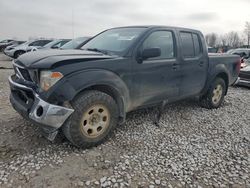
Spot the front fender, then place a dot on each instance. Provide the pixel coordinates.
(72, 84)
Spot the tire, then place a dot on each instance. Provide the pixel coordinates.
(18, 53)
(215, 94)
(93, 121)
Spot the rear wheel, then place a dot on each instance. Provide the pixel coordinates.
(94, 118)
(215, 94)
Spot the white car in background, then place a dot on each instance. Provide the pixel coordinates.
(5, 43)
(55, 44)
(28, 46)
(14, 44)
(75, 43)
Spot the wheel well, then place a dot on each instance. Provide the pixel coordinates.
(113, 93)
(225, 78)
(18, 51)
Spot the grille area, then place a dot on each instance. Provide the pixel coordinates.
(25, 74)
(22, 73)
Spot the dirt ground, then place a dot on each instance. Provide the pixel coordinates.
(193, 147)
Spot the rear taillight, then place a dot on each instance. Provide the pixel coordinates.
(238, 66)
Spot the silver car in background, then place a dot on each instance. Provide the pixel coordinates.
(5, 43)
(14, 44)
(28, 46)
(55, 44)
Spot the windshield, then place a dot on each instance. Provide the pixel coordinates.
(74, 43)
(24, 43)
(114, 40)
(52, 43)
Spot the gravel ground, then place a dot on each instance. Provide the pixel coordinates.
(192, 147)
(5, 61)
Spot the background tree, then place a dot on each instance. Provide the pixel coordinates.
(229, 40)
(222, 41)
(247, 32)
(211, 39)
(233, 39)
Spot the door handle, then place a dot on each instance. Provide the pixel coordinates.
(201, 63)
(175, 66)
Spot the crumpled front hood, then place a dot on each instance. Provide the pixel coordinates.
(46, 59)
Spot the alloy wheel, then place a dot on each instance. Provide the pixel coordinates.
(95, 121)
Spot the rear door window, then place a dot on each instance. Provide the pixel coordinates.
(197, 45)
(191, 45)
(187, 45)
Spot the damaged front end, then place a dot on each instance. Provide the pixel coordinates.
(27, 102)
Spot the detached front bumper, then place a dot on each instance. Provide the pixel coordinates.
(28, 103)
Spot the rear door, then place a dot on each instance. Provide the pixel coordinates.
(194, 64)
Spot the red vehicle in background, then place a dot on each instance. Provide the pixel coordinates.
(244, 53)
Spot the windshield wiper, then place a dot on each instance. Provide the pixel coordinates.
(97, 50)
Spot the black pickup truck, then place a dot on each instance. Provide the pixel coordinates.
(85, 93)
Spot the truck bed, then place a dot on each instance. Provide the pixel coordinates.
(227, 62)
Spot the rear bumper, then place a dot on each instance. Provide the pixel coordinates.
(28, 103)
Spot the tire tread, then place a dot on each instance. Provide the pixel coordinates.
(87, 98)
(206, 101)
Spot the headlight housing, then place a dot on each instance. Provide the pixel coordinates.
(49, 78)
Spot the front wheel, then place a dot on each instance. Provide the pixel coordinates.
(94, 118)
(215, 94)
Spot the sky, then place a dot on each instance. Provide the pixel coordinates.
(22, 19)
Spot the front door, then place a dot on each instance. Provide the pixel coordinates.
(157, 79)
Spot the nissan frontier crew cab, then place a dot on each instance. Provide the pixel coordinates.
(85, 93)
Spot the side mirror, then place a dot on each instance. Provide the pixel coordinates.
(150, 53)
